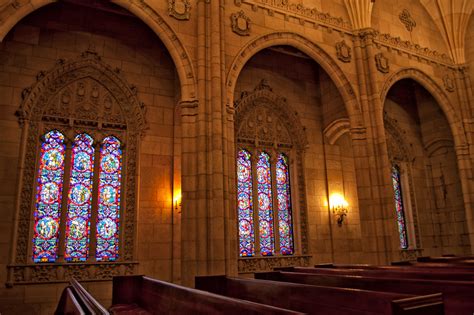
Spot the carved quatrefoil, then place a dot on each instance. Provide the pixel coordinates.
(240, 23)
(179, 9)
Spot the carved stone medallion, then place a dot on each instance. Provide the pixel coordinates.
(240, 23)
(382, 63)
(179, 9)
(407, 20)
(449, 84)
(343, 51)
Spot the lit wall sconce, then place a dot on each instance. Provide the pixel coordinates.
(339, 207)
(177, 202)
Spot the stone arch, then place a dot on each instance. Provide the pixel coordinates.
(435, 90)
(263, 94)
(11, 14)
(35, 118)
(308, 47)
(336, 129)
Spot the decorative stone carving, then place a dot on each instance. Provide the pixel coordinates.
(298, 11)
(82, 94)
(410, 254)
(407, 20)
(343, 51)
(265, 119)
(257, 264)
(397, 42)
(382, 63)
(449, 84)
(240, 23)
(179, 9)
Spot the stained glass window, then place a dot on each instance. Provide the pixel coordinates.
(48, 198)
(284, 205)
(79, 202)
(109, 200)
(244, 203)
(397, 189)
(265, 209)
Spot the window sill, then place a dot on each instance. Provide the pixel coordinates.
(267, 263)
(62, 272)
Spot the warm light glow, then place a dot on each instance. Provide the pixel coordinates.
(337, 201)
(177, 199)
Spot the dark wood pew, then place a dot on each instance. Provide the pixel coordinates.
(320, 300)
(76, 300)
(386, 273)
(458, 296)
(406, 266)
(134, 294)
(446, 259)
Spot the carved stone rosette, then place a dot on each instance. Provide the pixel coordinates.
(258, 264)
(83, 94)
(179, 9)
(240, 23)
(382, 63)
(448, 82)
(343, 51)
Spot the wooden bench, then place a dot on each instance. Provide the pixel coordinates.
(133, 294)
(458, 296)
(387, 273)
(320, 300)
(406, 266)
(75, 300)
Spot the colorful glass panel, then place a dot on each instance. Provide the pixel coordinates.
(109, 200)
(265, 208)
(397, 189)
(244, 203)
(284, 205)
(48, 197)
(79, 202)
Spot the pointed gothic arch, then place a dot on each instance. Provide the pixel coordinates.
(320, 56)
(11, 13)
(83, 94)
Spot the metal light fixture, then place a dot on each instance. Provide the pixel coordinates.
(339, 207)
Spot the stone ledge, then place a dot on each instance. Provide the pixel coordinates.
(256, 264)
(63, 272)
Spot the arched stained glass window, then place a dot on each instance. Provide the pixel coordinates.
(80, 196)
(48, 198)
(265, 207)
(244, 203)
(285, 223)
(109, 200)
(397, 189)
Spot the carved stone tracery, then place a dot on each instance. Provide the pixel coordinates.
(264, 119)
(84, 94)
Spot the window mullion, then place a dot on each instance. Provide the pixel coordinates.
(256, 219)
(276, 229)
(64, 202)
(95, 204)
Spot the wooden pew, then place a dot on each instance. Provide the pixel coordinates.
(320, 300)
(463, 260)
(406, 266)
(76, 300)
(386, 273)
(458, 295)
(133, 294)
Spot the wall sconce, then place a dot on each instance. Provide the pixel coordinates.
(339, 207)
(177, 202)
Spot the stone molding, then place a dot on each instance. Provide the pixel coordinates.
(410, 254)
(58, 273)
(42, 109)
(179, 9)
(240, 23)
(258, 264)
(288, 8)
(449, 83)
(336, 129)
